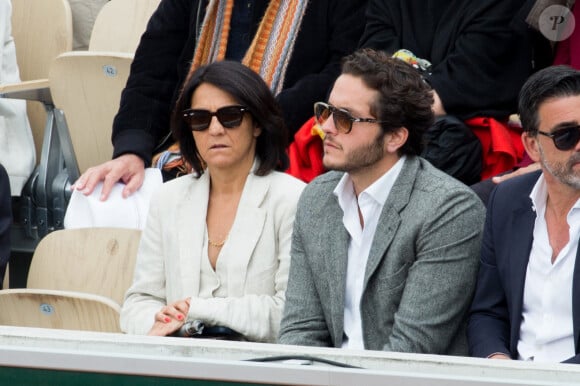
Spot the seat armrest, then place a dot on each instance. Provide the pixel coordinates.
(32, 90)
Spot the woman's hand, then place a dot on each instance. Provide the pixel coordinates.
(170, 318)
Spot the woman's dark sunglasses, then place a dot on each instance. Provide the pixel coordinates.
(564, 139)
(342, 119)
(229, 116)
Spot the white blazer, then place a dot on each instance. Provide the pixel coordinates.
(168, 263)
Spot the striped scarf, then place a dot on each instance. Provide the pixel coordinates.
(268, 54)
(271, 48)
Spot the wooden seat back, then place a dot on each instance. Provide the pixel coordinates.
(42, 30)
(87, 86)
(58, 309)
(120, 24)
(98, 261)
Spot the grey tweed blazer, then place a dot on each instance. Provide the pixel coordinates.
(420, 274)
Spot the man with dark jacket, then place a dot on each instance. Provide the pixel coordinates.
(480, 53)
(479, 50)
(329, 30)
(527, 297)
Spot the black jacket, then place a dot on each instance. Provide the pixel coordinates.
(330, 30)
(481, 50)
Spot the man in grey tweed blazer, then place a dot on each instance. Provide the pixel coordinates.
(385, 247)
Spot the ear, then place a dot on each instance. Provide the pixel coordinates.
(257, 131)
(396, 139)
(531, 145)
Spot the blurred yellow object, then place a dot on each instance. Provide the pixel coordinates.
(514, 121)
(422, 65)
(317, 130)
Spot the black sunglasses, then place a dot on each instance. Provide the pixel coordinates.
(229, 116)
(342, 119)
(564, 139)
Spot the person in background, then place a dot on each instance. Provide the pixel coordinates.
(84, 13)
(296, 45)
(384, 248)
(527, 296)
(216, 245)
(17, 152)
(565, 52)
(475, 55)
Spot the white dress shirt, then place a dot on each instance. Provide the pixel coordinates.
(370, 202)
(546, 331)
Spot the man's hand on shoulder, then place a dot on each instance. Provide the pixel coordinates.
(128, 168)
(519, 172)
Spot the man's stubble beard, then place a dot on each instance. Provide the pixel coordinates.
(362, 157)
(563, 172)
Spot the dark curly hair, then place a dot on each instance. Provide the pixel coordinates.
(249, 90)
(405, 99)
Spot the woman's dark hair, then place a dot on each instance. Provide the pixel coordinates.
(249, 90)
(405, 99)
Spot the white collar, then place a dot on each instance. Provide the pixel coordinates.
(378, 190)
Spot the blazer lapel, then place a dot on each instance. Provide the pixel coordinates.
(521, 231)
(384, 234)
(246, 229)
(390, 218)
(190, 229)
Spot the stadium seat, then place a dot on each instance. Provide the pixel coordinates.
(120, 24)
(87, 87)
(58, 309)
(98, 261)
(42, 30)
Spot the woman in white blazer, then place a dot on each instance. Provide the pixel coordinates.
(216, 245)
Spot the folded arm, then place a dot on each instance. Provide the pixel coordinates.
(143, 117)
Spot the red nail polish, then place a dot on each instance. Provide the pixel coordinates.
(167, 320)
(180, 317)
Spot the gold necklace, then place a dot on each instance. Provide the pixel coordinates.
(219, 244)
